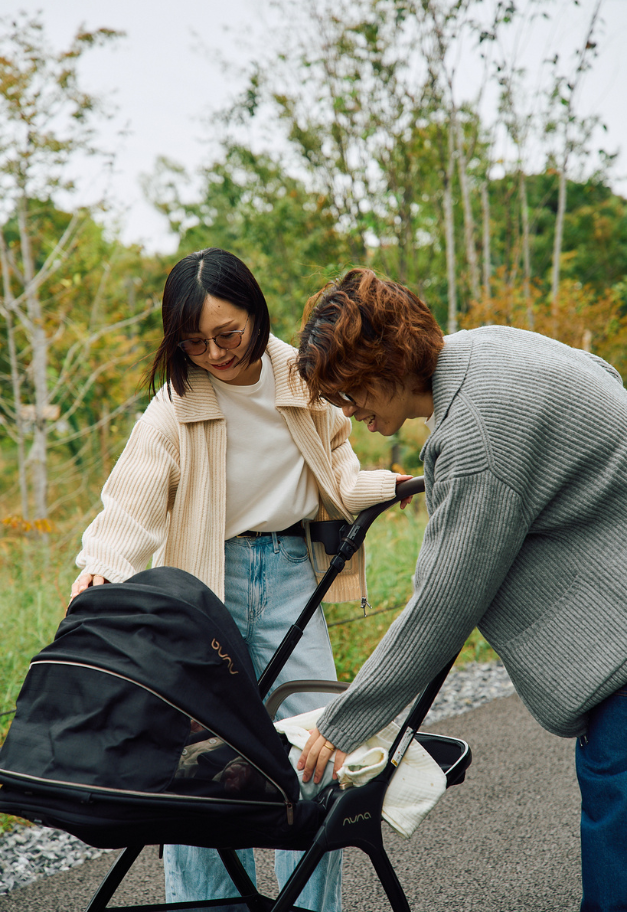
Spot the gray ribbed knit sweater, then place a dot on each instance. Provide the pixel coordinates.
(526, 487)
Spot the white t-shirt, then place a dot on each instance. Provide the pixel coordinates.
(269, 486)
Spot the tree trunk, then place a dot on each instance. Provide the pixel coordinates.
(526, 250)
(449, 230)
(404, 236)
(38, 454)
(104, 440)
(469, 222)
(557, 245)
(395, 454)
(487, 265)
(16, 382)
(586, 340)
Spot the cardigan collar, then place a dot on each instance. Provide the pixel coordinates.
(450, 372)
(200, 403)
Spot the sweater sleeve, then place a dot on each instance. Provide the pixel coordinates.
(358, 489)
(136, 499)
(474, 534)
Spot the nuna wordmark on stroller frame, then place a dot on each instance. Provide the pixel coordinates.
(142, 723)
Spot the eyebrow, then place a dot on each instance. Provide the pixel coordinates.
(221, 329)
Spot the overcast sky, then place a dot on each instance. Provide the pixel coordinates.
(164, 87)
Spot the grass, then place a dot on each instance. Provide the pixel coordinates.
(33, 598)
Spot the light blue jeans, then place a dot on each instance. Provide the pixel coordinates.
(268, 582)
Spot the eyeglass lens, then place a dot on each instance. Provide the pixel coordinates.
(340, 399)
(223, 340)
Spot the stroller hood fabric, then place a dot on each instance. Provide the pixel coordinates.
(109, 703)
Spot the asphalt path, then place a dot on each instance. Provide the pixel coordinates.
(507, 840)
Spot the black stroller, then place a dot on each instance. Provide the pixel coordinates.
(122, 746)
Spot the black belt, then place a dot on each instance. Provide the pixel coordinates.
(328, 532)
(296, 529)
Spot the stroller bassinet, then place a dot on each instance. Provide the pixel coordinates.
(142, 723)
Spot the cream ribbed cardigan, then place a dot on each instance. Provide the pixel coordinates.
(166, 496)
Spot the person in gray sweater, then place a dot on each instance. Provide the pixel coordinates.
(526, 489)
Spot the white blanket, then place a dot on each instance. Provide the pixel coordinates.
(415, 788)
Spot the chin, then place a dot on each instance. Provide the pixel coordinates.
(394, 429)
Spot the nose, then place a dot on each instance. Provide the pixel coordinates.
(214, 350)
(349, 409)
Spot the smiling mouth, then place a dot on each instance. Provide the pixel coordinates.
(226, 365)
(369, 421)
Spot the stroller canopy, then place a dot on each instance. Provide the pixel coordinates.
(148, 689)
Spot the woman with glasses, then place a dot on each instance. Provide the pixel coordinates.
(526, 488)
(217, 478)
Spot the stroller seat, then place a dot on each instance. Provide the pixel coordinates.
(143, 723)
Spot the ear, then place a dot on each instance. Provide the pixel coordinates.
(417, 385)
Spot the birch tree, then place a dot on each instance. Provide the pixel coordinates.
(45, 120)
(573, 134)
(487, 258)
(444, 24)
(518, 123)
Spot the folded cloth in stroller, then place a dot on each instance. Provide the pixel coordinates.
(415, 789)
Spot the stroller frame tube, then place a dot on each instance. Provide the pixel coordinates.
(351, 541)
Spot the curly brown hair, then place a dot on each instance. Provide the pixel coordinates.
(363, 332)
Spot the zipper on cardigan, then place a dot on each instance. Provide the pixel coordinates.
(289, 807)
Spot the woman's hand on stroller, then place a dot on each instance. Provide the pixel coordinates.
(316, 755)
(84, 581)
(406, 500)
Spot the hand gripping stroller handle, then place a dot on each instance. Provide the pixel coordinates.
(350, 542)
(403, 490)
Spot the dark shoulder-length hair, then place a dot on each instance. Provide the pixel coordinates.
(363, 332)
(212, 272)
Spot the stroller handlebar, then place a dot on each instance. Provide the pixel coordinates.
(357, 531)
(412, 486)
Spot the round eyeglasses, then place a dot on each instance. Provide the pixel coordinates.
(225, 341)
(339, 399)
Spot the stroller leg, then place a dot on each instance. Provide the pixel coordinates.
(113, 878)
(238, 874)
(389, 880)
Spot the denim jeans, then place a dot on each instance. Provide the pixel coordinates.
(268, 582)
(601, 757)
